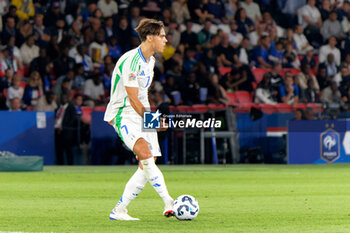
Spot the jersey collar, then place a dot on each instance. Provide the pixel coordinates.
(141, 55)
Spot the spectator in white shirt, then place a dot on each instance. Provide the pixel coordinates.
(252, 9)
(330, 48)
(29, 50)
(310, 18)
(15, 91)
(332, 27)
(302, 43)
(108, 7)
(94, 91)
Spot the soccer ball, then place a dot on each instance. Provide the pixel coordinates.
(186, 207)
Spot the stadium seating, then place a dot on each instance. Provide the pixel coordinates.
(224, 70)
(86, 114)
(259, 73)
(268, 108)
(243, 97)
(199, 108)
(284, 108)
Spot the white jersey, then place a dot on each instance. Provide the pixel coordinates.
(131, 70)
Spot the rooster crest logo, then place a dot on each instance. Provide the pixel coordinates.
(329, 141)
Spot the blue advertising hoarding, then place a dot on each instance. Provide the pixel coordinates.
(318, 142)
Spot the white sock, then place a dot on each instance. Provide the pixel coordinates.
(156, 179)
(132, 189)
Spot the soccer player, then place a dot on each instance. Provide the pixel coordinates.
(131, 78)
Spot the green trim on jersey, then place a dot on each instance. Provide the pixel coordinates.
(118, 119)
(134, 62)
(118, 77)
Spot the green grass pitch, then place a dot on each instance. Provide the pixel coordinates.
(233, 198)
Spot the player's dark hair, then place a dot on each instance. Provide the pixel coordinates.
(149, 27)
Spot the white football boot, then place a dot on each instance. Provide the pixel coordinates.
(169, 209)
(121, 215)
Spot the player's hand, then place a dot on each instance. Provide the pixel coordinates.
(163, 125)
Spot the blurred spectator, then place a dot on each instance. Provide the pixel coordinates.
(10, 62)
(63, 63)
(107, 75)
(190, 90)
(264, 93)
(63, 85)
(230, 7)
(331, 94)
(80, 78)
(15, 90)
(65, 131)
(310, 18)
(198, 11)
(124, 33)
(29, 50)
(6, 79)
(244, 53)
(40, 63)
(332, 27)
(25, 8)
(108, 27)
(15, 50)
(204, 35)
(289, 92)
(236, 80)
(180, 11)
(135, 17)
(310, 94)
(245, 24)
(226, 54)
(12, 12)
(108, 7)
(309, 114)
(309, 58)
(59, 30)
(276, 54)
(42, 34)
(216, 93)
(172, 91)
(275, 78)
(305, 75)
(114, 49)
(82, 56)
(189, 38)
(53, 14)
(15, 105)
(330, 65)
(342, 78)
(53, 49)
(291, 59)
(235, 38)
(301, 42)
(325, 9)
(322, 78)
(216, 8)
(169, 49)
(268, 25)
(252, 9)
(4, 5)
(25, 29)
(93, 91)
(330, 48)
(9, 30)
(176, 35)
(261, 52)
(98, 49)
(33, 90)
(47, 102)
(298, 115)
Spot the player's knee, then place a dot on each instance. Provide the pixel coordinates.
(142, 155)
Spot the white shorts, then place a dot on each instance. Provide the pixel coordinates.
(129, 126)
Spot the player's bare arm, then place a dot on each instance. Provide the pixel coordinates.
(134, 100)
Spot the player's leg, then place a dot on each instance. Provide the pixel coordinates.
(154, 175)
(136, 183)
(132, 189)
